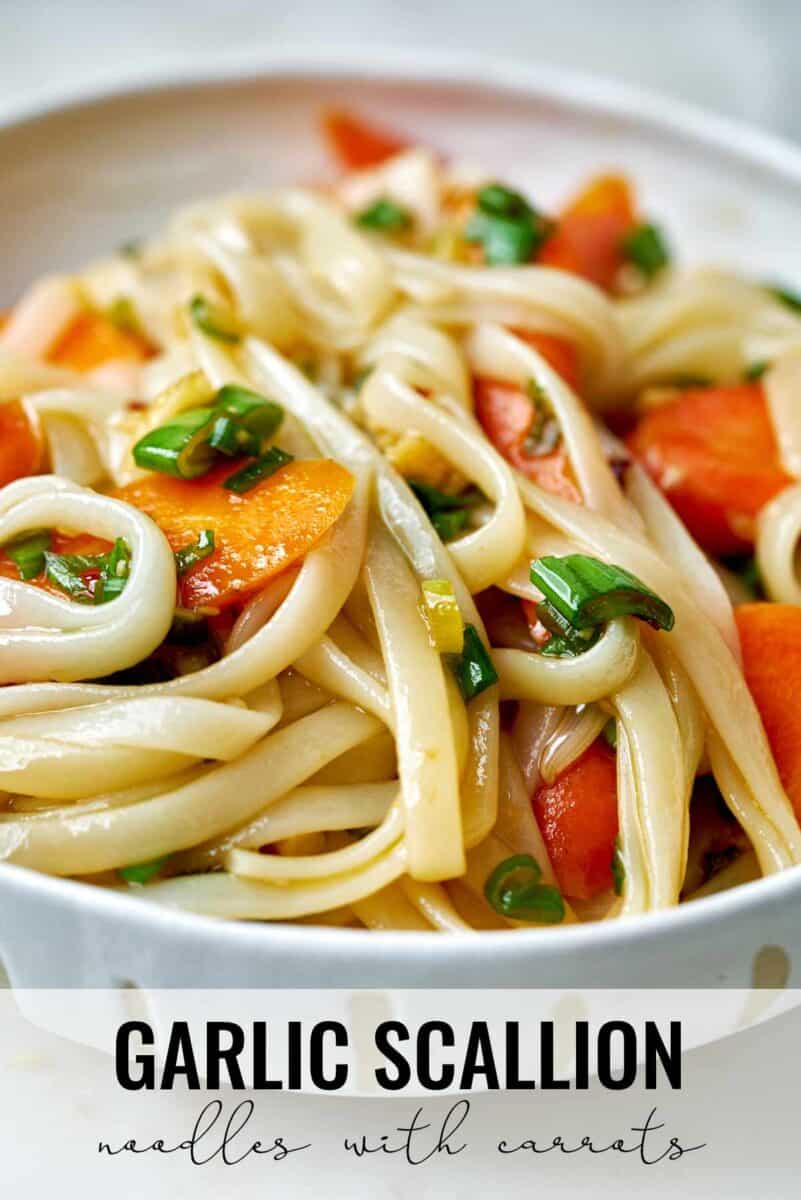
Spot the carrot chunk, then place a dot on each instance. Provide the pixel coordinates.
(577, 816)
(589, 234)
(357, 143)
(92, 340)
(770, 636)
(713, 453)
(256, 534)
(21, 443)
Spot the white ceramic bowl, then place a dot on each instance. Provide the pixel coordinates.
(81, 178)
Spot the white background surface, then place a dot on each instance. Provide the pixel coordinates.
(739, 1097)
(738, 57)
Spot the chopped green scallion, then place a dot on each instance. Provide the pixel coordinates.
(785, 296)
(234, 421)
(189, 556)
(230, 437)
(646, 249)
(181, 447)
(142, 873)
(514, 890)
(448, 514)
(114, 573)
(587, 592)
(565, 640)
(449, 522)
(507, 226)
(385, 216)
(473, 668)
(214, 320)
(28, 553)
(609, 733)
(618, 868)
(254, 412)
(247, 478)
(497, 200)
(544, 434)
(90, 578)
(755, 371)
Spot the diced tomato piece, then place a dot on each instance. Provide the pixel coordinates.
(770, 636)
(577, 816)
(505, 412)
(589, 234)
(713, 453)
(357, 143)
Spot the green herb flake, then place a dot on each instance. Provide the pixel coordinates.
(189, 556)
(473, 668)
(447, 513)
(514, 890)
(618, 868)
(785, 296)
(385, 216)
(646, 249)
(113, 573)
(90, 578)
(497, 200)
(544, 434)
(507, 226)
(214, 320)
(142, 873)
(609, 733)
(122, 313)
(755, 371)
(28, 553)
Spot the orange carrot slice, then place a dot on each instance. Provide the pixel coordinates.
(589, 234)
(21, 443)
(256, 534)
(577, 816)
(92, 340)
(357, 143)
(770, 636)
(713, 453)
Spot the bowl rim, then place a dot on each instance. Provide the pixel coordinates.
(582, 94)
